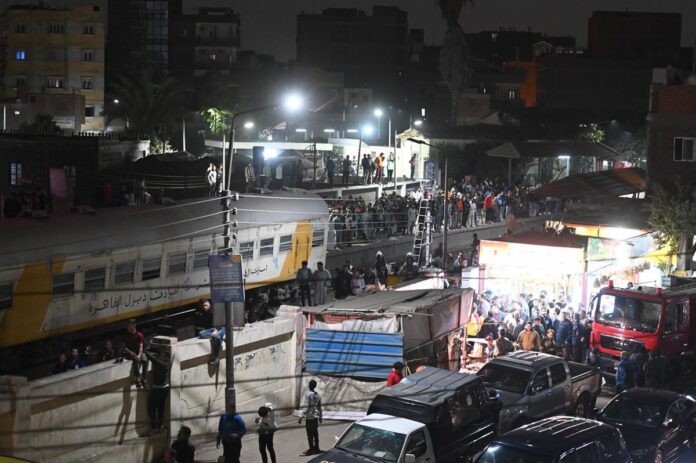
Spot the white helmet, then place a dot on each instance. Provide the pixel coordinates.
(379, 253)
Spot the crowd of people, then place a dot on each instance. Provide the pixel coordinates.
(550, 325)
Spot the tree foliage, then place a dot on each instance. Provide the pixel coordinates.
(593, 133)
(455, 65)
(218, 120)
(151, 104)
(673, 217)
(43, 124)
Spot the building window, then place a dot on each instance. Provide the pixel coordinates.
(684, 149)
(63, 285)
(95, 279)
(89, 111)
(15, 173)
(21, 55)
(200, 258)
(20, 81)
(266, 248)
(212, 57)
(87, 83)
(87, 55)
(151, 268)
(512, 94)
(246, 250)
(177, 264)
(285, 243)
(20, 29)
(55, 82)
(6, 294)
(123, 273)
(56, 28)
(88, 29)
(55, 54)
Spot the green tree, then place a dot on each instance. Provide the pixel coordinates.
(593, 133)
(218, 120)
(43, 124)
(150, 104)
(673, 217)
(454, 53)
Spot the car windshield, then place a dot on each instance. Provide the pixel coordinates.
(504, 377)
(629, 411)
(627, 312)
(373, 443)
(499, 453)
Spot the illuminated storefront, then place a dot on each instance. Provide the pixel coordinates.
(530, 262)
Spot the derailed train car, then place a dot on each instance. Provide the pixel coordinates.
(77, 274)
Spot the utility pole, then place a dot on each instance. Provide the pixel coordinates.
(445, 255)
(227, 210)
(183, 136)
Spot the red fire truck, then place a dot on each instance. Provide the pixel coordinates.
(647, 316)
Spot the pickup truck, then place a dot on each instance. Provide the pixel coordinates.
(433, 416)
(533, 385)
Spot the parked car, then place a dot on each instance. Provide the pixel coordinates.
(432, 416)
(560, 439)
(658, 425)
(533, 385)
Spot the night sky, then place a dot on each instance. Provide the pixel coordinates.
(268, 26)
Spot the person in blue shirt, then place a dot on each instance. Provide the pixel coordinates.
(625, 373)
(230, 432)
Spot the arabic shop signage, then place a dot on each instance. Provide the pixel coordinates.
(226, 278)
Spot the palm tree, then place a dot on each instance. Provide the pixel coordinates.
(454, 53)
(150, 104)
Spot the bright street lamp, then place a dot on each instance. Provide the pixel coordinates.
(116, 101)
(293, 102)
(418, 122)
(249, 125)
(329, 130)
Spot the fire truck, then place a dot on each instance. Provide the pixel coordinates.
(663, 318)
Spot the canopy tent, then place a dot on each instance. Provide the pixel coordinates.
(606, 184)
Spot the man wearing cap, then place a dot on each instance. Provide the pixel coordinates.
(409, 269)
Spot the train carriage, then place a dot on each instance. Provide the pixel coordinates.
(80, 273)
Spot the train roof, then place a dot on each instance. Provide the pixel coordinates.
(26, 240)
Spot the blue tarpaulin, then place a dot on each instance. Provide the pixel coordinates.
(359, 354)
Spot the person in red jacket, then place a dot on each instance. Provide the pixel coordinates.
(395, 376)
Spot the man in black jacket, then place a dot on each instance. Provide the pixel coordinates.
(159, 386)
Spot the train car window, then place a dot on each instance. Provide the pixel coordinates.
(177, 263)
(200, 258)
(6, 294)
(247, 250)
(95, 278)
(266, 248)
(123, 273)
(318, 238)
(286, 243)
(151, 268)
(63, 284)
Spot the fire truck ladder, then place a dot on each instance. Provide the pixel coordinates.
(423, 237)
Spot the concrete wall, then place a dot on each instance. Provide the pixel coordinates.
(96, 414)
(395, 249)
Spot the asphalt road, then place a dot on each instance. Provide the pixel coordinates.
(290, 440)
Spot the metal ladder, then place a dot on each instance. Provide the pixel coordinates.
(422, 237)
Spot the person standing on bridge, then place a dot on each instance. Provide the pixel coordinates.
(391, 161)
(365, 163)
(346, 171)
(304, 279)
(330, 170)
(412, 163)
(322, 277)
